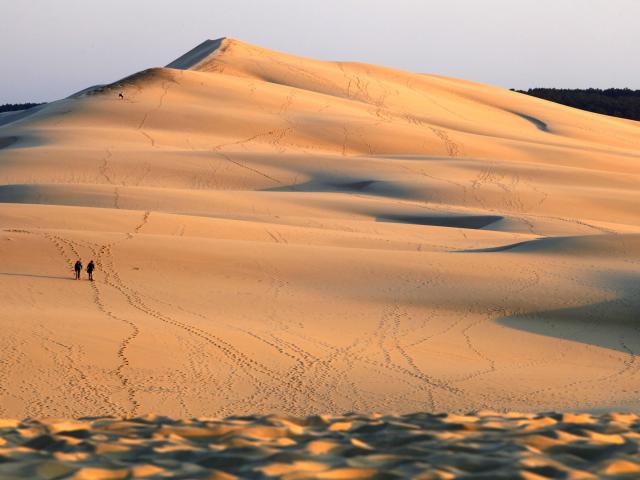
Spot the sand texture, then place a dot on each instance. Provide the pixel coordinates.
(488, 445)
(280, 235)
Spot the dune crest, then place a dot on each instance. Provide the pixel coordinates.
(193, 57)
(279, 234)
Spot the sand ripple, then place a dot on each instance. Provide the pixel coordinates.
(485, 445)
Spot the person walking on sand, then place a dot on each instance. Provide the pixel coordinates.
(78, 268)
(90, 268)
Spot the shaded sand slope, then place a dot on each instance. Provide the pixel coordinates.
(278, 234)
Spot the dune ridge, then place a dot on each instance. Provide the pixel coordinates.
(275, 234)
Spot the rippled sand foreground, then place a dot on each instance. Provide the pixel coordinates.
(427, 446)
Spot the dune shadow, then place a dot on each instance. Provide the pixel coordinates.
(196, 54)
(611, 324)
(358, 186)
(501, 248)
(18, 193)
(51, 277)
(453, 221)
(539, 124)
(319, 184)
(615, 246)
(7, 141)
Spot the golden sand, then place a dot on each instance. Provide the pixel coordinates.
(280, 234)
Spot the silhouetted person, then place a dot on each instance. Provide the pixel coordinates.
(78, 268)
(121, 96)
(90, 268)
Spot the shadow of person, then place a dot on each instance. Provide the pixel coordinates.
(33, 275)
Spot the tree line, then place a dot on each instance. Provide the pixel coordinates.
(616, 102)
(12, 107)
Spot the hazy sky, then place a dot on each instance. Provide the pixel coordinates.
(52, 48)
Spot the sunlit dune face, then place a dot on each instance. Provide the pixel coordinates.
(274, 234)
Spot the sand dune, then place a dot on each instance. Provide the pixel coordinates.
(275, 234)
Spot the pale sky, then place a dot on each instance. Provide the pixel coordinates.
(52, 48)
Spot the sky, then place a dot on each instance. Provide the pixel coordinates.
(50, 49)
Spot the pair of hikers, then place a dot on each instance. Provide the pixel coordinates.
(90, 268)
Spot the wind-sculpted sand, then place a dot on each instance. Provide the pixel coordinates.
(487, 445)
(276, 234)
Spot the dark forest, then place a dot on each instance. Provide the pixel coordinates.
(616, 102)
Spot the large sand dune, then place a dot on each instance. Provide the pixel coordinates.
(279, 234)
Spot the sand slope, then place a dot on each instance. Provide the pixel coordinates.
(279, 234)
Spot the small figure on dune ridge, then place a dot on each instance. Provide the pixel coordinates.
(90, 268)
(78, 268)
